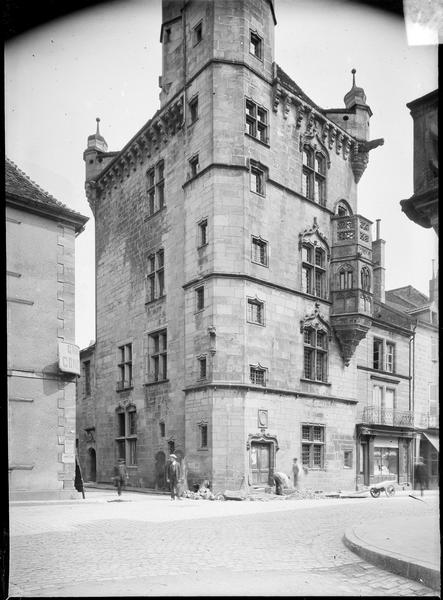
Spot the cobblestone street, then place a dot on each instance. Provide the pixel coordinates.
(151, 546)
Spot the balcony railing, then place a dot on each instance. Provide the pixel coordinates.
(373, 415)
(387, 416)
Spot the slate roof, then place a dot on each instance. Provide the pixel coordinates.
(290, 84)
(20, 189)
(407, 298)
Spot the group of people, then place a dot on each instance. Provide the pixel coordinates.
(173, 476)
(282, 482)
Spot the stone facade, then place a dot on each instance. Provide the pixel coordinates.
(229, 248)
(40, 303)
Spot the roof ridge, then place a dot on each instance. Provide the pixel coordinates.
(32, 181)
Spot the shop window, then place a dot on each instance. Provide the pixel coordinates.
(255, 45)
(313, 446)
(386, 462)
(125, 367)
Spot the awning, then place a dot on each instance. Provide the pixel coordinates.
(433, 438)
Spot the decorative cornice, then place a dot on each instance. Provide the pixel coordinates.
(313, 231)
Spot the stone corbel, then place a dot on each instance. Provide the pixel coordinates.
(286, 107)
(360, 156)
(347, 145)
(276, 97)
(339, 142)
(332, 136)
(212, 339)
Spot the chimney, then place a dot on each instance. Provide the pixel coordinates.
(433, 285)
(378, 259)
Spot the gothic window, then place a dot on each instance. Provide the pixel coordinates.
(314, 175)
(343, 209)
(314, 270)
(346, 277)
(256, 312)
(315, 354)
(257, 123)
(365, 276)
(257, 375)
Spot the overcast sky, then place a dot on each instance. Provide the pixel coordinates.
(106, 61)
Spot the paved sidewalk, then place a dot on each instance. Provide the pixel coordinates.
(410, 549)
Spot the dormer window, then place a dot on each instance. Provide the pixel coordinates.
(314, 175)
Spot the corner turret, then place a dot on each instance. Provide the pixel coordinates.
(96, 147)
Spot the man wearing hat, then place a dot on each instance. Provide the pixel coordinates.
(120, 475)
(173, 476)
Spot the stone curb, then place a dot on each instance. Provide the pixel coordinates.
(420, 571)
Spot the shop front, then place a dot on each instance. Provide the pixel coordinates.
(384, 453)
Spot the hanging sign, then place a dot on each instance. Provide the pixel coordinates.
(69, 358)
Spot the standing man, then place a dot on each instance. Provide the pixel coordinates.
(120, 475)
(420, 475)
(173, 476)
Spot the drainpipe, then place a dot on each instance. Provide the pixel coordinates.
(416, 442)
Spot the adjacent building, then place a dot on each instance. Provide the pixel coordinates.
(43, 360)
(239, 292)
(422, 206)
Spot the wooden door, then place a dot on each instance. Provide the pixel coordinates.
(260, 462)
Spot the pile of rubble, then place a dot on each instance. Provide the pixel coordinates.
(303, 494)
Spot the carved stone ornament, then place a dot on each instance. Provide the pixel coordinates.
(350, 330)
(332, 135)
(260, 438)
(310, 138)
(315, 320)
(310, 232)
(276, 97)
(360, 156)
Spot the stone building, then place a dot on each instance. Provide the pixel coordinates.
(85, 414)
(239, 292)
(422, 206)
(42, 357)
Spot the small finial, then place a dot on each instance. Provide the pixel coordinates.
(98, 121)
(353, 77)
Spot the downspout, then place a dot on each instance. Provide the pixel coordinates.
(412, 394)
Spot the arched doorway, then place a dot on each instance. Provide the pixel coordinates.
(92, 465)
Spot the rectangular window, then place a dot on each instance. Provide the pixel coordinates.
(347, 459)
(200, 298)
(87, 377)
(121, 426)
(256, 312)
(162, 429)
(256, 45)
(171, 447)
(259, 251)
(202, 367)
(158, 356)
(313, 446)
(194, 165)
(378, 354)
(132, 452)
(257, 179)
(193, 109)
(390, 357)
(132, 422)
(257, 375)
(155, 279)
(256, 121)
(126, 439)
(203, 436)
(315, 355)
(203, 233)
(198, 34)
(125, 367)
(156, 184)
